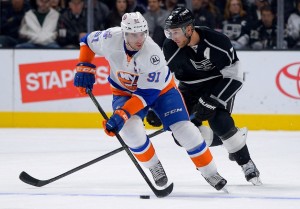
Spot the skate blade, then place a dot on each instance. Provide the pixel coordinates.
(225, 190)
(256, 181)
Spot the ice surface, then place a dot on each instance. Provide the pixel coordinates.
(115, 182)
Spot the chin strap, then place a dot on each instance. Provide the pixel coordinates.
(128, 45)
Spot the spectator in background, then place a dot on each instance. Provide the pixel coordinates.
(293, 28)
(169, 5)
(108, 3)
(212, 8)
(220, 4)
(134, 6)
(115, 16)
(289, 7)
(12, 14)
(254, 13)
(38, 26)
(72, 25)
(264, 35)
(203, 17)
(247, 4)
(58, 5)
(143, 3)
(156, 16)
(101, 12)
(235, 24)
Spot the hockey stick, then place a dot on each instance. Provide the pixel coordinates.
(26, 178)
(159, 193)
(155, 133)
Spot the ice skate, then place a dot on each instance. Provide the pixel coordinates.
(159, 174)
(251, 173)
(217, 181)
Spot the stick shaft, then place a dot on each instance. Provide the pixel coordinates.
(26, 178)
(88, 163)
(158, 193)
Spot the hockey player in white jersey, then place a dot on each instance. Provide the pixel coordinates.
(140, 79)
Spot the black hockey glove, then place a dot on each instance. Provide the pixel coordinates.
(153, 119)
(206, 108)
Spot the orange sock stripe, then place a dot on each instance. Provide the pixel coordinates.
(202, 160)
(146, 156)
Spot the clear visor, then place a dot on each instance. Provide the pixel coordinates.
(139, 37)
(174, 33)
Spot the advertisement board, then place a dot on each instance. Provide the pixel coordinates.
(44, 82)
(6, 83)
(272, 83)
(39, 90)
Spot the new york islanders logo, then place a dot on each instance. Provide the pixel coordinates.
(128, 80)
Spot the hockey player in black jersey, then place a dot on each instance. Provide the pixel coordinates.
(207, 67)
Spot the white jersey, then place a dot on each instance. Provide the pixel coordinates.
(146, 74)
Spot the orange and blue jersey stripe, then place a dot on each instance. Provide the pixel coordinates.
(145, 152)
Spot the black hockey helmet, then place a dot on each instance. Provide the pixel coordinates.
(179, 17)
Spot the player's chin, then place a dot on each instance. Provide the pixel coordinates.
(180, 44)
(138, 46)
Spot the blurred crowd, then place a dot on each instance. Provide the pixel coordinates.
(249, 24)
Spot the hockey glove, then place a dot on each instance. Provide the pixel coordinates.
(206, 108)
(116, 122)
(153, 119)
(84, 77)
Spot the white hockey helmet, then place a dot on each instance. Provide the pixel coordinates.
(134, 22)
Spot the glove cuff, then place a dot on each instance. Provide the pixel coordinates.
(123, 114)
(211, 104)
(85, 67)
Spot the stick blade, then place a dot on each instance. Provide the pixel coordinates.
(26, 178)
(164, 192)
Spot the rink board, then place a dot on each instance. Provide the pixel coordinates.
(38, 91)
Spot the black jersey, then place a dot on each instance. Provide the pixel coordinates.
(210, 67)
